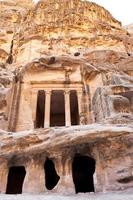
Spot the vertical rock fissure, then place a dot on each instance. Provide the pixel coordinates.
(10, 57)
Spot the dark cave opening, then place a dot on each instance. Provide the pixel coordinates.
(51, 176)
(15, 180)
(83, 168)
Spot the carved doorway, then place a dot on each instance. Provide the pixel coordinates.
(15, 180)
(40, 110)
(83, 168)
(74, 108)
(57, 112)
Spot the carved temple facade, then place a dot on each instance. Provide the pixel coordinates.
(51, 97)
(60, 97)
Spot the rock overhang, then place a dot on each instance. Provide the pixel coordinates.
(58, 138)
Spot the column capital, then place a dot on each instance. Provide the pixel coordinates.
(48, 92)
(67, 91)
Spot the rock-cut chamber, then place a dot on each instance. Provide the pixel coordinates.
(83, 168)
(15, 180)
(51, 176)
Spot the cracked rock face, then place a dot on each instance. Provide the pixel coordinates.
(64, 27)
(76, 54)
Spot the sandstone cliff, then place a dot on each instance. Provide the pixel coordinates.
(67, 45)
(64, 28)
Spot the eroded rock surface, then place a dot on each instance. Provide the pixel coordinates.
(66, 93)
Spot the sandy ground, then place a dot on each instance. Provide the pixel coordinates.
(109, 196)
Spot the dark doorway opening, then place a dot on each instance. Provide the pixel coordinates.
(40, 110)
(83, 168)
(15, 180)
(74, 108)
(51, 176)
(57, 111)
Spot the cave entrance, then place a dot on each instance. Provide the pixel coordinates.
(51, 176)
(83, 168)
(40, 110)
(57, 111)
(15, 180)
(74, 108)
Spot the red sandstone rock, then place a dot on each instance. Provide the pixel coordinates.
(77, 56)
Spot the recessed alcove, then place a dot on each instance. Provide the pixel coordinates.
(15, 180)
(57, 112)
(40, 110)
(74, 108)
(51, 176)
(83, 168)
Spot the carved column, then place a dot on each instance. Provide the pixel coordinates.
(68, 178)
(47, 109)
(64, 169)
(3, 177)
(67, 109)
(35, 177)
(79, 96)
(34, 104)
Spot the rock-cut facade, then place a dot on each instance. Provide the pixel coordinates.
(66, 98)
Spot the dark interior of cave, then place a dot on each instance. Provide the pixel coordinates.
(40, 109)
(83, 168)
(15, 180)
(51, 176)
